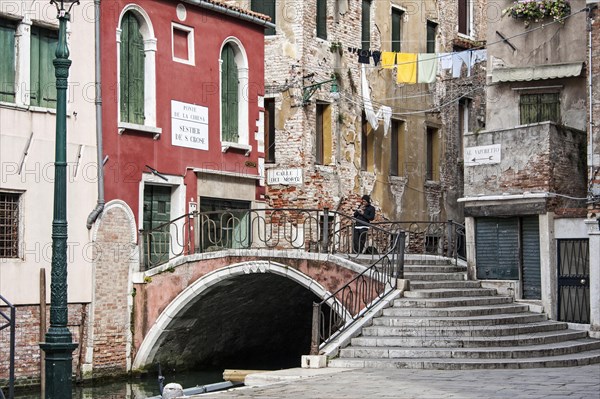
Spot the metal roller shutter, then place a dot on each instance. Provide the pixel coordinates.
(532, 285)
(497, 246)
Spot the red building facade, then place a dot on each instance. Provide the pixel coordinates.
(182, 85)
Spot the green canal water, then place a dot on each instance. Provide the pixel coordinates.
(137, 388)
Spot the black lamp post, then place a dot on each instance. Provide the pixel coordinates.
(59, 344)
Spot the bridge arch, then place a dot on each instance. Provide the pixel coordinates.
(191, 295)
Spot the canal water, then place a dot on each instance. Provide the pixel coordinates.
(135, 388)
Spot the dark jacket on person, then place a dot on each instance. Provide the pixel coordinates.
(365, 215)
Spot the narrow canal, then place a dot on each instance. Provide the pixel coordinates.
(137, 388)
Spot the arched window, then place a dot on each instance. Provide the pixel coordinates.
(132, 70)
(229, 95)
(136, 66)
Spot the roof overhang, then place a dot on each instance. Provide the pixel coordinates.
(537, 72)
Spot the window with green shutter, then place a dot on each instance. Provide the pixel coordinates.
(43, 80)
(322, 19)
(229, 95)
(539, 107)
(396, 29)
(431, 32)
(7, 61)
(366, 25)
(132, 70)
(266, 7)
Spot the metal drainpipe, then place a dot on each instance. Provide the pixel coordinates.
(98, 102)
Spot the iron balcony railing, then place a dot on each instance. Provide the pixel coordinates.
(8, 320)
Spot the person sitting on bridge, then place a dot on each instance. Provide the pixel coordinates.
(363, 215)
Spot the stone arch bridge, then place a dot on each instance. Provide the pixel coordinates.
(233, 289)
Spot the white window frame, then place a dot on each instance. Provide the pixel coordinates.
(191, 57)
(241, 60)
(150, 47)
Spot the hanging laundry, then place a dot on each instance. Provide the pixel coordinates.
(427, 67)
(384, 111)
(445, 61)
(376, 57)
(407, 68)
(386, 114)
(366, 95)
(478, 56)
(388, 59)
(458, 59)
(364, 57)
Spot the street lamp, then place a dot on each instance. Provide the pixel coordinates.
(58, 345)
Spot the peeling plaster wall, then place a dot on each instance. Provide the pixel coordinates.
(538, 158)
(295, 53)
(554, 44)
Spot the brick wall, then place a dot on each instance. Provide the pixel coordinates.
(114, 253)
(27, 349)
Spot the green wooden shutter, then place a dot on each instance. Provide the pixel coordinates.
(431, 29)
(229, 95)
(366, 25)
(7, 62)
(48, 43)
(322, 19)
(34, 78)
(266, 7)
(42, 77)
(132, 71)
(396, 29)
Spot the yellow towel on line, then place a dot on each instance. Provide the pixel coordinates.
(407, 68)
(388, 59)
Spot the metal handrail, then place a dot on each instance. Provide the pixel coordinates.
(313, 230)
(361, 293)
(10, 322)
(432, 238)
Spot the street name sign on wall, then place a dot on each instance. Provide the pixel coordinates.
(284, 176)
(483, 155)
(189, 125)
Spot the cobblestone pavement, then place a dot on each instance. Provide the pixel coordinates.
(550, 383)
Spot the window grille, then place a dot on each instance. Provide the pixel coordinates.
(9, 225)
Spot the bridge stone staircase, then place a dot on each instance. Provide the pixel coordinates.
(447, 322)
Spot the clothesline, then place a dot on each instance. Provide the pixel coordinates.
(422, 67)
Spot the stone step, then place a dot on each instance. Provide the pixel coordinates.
(425, 285)
(427, 260)
(459, 311)
(519, 352)
(536, 338)
(434, 276)
(450, 293)
(434, 269)
(485, 320)
(574, 359)
(451, 302)
(437, 332)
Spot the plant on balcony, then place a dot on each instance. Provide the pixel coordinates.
(536, 10)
